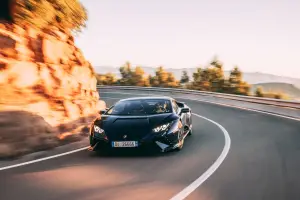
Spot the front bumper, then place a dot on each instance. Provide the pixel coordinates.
(156, 143)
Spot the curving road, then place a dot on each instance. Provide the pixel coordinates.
(263, 163)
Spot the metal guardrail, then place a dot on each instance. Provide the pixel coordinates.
(249, 99)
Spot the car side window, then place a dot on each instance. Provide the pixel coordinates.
(175, 106)
(179, 104)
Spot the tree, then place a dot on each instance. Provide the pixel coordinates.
(197, 79)
(259, 92)
(236, 85)
(146, 82)
(210, 78)
(278, 96)
(106, 79)
(201, 79)
(205, 79)
(184, 78)
(216, 63)
(63, 14)
(138, 77)
(171, 81)
(126, 74)
(163, 78)
(133, 76)
(151, 80)
(217, 76)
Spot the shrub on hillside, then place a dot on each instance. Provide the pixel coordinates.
(276, 95)
(273, 95)
(259, 92)
(64, 14)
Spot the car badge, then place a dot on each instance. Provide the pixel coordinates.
(124, 136)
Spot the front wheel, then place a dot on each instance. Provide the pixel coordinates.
(190, 132)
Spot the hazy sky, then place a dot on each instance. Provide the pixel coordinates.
(256, 35)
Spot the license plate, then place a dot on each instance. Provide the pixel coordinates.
(125, 144)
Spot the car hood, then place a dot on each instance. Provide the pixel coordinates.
(134, 127)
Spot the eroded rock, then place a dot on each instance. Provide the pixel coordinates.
(48, 90)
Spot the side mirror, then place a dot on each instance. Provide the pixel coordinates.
(184, 110)
(102, 112)
(180, 104)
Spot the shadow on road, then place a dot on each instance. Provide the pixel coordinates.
(122, 153)
(23, 132)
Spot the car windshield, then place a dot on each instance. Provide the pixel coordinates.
(141, 107)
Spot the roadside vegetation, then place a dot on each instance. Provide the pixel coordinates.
(287, 90)
(259, 92)
(208, 78)
(66, 15)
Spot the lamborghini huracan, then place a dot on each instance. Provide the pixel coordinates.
(156, 123)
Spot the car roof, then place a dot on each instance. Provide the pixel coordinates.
(148, 98)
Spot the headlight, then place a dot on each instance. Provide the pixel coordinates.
(97, 129)
(161, 128)
(176, 127)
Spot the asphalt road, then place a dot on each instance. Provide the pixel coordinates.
(263, 164)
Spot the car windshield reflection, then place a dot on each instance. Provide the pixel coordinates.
(141, 107)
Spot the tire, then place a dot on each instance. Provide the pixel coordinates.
(190, 132)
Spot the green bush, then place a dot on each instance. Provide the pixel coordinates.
(63, 14)
(259, 92)
(274, 95)
(278, 96)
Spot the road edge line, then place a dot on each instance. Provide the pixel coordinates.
(211, 170)
(42, 159)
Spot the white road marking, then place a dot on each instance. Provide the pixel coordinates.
(185, 192)
(227, 105)
(42, 159)
(198, 182)
(194, 185)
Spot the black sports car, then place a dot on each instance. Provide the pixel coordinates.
(160, 123)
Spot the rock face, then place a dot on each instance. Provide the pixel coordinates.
(47, 89)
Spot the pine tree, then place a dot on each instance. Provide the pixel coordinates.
(106, 79)
(217, 79)
(171, 81)
(126, 74)
(138, 77)
(163, 78)
(160, 78)
(236, 83)
(210, 78)
(196, 79)
(184, 78)
(259, 92)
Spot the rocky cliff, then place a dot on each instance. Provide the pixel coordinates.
(48, 90)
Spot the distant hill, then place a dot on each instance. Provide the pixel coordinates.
(148, 70)
(250, 77)
(286, 88)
